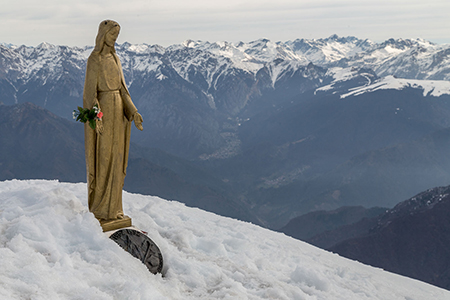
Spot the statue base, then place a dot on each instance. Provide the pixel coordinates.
(108, 225)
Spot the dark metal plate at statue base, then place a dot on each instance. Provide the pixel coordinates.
(140, 246)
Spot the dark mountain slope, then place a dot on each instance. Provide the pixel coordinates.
(412, 239)
(390, 174)
(316, 153)
(36, 144)
(315, 223)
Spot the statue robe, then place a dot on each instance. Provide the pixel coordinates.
(107, 153)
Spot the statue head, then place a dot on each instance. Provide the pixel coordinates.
(108, 32)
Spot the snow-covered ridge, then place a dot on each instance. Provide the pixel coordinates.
(51, 247)
(330, 50)
(434, 88)
(45, 60)
(342, 75)
(353, 82)
(387, 58)
(7, 45)
(207, 63)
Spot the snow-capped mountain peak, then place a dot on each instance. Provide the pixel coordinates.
(404, 44)
(8, 45)
(250, 57)
(45, 46)
(191, 43)
(329, 50)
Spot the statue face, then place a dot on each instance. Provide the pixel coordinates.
(111, 36)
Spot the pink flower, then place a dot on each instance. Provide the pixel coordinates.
(100, 115)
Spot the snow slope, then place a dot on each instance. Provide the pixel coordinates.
(371, 83)
(51, 247)
(434, 88)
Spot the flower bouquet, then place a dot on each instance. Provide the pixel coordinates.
(88, 115)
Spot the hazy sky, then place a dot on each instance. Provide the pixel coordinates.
(168, 22)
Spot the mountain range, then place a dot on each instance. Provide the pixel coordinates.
(283, 128)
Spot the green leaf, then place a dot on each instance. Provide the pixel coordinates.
(92, 124)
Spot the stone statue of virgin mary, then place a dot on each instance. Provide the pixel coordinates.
(107, 146)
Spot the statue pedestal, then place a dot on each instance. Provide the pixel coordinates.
(109, 225)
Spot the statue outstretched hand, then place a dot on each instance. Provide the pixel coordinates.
(138, 121)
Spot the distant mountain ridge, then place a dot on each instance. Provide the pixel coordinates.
(411, 239)
(410, 58)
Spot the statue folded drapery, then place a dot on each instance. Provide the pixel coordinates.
(107, 146)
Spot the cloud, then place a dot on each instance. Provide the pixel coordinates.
(173, 21)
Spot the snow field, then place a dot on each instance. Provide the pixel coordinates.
(51, 247)
(433, 88)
